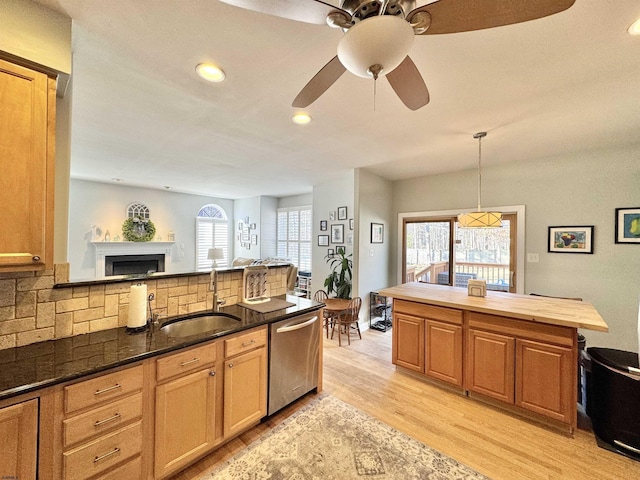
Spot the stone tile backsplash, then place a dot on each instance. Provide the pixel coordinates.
(31, 310)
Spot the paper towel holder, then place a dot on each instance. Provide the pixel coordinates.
(142, 328)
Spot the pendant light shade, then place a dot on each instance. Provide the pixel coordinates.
(383, 40)
(480, 219)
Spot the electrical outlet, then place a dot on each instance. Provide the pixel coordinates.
(181, 254)
(371, 252)
(533, 257)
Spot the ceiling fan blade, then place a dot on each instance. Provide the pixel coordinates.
(452, 16)
(309, 11)
(408, 84)
(320, 83)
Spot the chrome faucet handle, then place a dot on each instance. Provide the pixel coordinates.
(158, 316)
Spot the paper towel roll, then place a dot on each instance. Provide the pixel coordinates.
(137, 306)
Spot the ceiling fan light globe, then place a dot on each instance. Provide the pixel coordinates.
(381, 40)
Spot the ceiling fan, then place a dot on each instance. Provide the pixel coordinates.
(379, 34)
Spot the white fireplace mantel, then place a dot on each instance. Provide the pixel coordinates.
(105, 249)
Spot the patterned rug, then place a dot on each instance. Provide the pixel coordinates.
(330, 440)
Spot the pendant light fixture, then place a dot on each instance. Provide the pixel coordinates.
(480, 219)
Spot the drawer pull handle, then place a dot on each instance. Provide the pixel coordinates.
(212, 373)
(189, 362)
(106, 420)
(249, 343)
(108, 389)
(231, 365)
(106, 455)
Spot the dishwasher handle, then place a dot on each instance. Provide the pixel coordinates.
(297, 326)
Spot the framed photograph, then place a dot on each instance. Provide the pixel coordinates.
(332, 216)
(323, 225)
(342, 213)
(377, 233)
(340, 249)
(254, 239)
(245, 233)
(351, 224)
(246, 220)
(571, 239)
(239, 225)
(330, 252)
(349, 238)
(323, 240)
(337, 233)
(252, 226)
(628, 225)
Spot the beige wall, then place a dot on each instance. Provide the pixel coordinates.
(583, 189)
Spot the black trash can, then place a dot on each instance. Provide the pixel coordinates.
(613, 400)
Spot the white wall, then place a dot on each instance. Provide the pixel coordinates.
(579, 190)
(373, 204)
(295, 200)
(327, 198)
(102, 204)
(268, 226)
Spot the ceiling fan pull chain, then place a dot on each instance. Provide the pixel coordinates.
(374, 93)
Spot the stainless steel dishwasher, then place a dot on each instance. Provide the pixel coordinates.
(293, 359)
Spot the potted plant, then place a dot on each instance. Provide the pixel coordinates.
(339, 280)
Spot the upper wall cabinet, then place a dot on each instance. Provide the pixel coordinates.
(27, 154)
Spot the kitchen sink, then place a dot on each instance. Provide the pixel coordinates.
(207, 323)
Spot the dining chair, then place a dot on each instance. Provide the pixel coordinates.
(327, 317)
(348, 320)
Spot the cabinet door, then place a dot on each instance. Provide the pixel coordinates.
(245, 391)
(444, 351)
(185, 420)
(26, 183)
(19, 434)
(545, 379)
(490, 365)
(408, 342)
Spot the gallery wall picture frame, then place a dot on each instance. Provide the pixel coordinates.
(332, 216)
(323, 240)
(628, 225)
(252, 226)
(349, 238)
(342, 213)
(340, 249)
(351, 224)
(377, 233)
(330, 252)
(254, 239)
(323, 225)
(337, 233)
(572, 239)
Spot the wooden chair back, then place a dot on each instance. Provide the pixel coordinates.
(320, 296)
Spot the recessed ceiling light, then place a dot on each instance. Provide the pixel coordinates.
(301, 118)
(634, 29)
(117, 180)
(167, 187)
(210, 72)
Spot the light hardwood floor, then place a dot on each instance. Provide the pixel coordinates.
(491, 441)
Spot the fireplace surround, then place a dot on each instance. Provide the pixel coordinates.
(131, 258)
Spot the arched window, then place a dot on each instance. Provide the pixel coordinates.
(212, 231)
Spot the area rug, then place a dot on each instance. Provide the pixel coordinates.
(331, 440)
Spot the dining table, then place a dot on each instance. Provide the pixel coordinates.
(336, 305)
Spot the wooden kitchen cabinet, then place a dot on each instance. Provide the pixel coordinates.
(19, 434)
(490, 364)
(443, 357)
(408, 342)
(27, 136)
(245, 381)
(541, 372)
(186, 408)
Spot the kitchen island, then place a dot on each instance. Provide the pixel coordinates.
(516, 352)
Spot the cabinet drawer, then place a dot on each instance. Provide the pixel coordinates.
(245, 342)
(183, 362)
(102, 420)
(444, 314)
(130, 470)
(102, 389)
(95, 457)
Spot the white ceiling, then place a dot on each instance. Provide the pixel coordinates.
(551, 87)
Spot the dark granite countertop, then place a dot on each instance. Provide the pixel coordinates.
(40, 365)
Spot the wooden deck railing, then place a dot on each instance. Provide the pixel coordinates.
(493, 273)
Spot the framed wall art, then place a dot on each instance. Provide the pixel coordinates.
(323, 225)
(337, 233)
(332, 216)
(351, 224)
(571, 239)
(342, 213)
(340, 249)
(628, 225)
(323, 240)
(377, 233)
(330, 252)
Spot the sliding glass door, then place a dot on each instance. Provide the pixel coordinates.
(436, 250)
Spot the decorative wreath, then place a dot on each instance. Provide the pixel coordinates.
(137, 229)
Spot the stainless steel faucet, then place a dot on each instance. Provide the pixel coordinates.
(214, 285)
